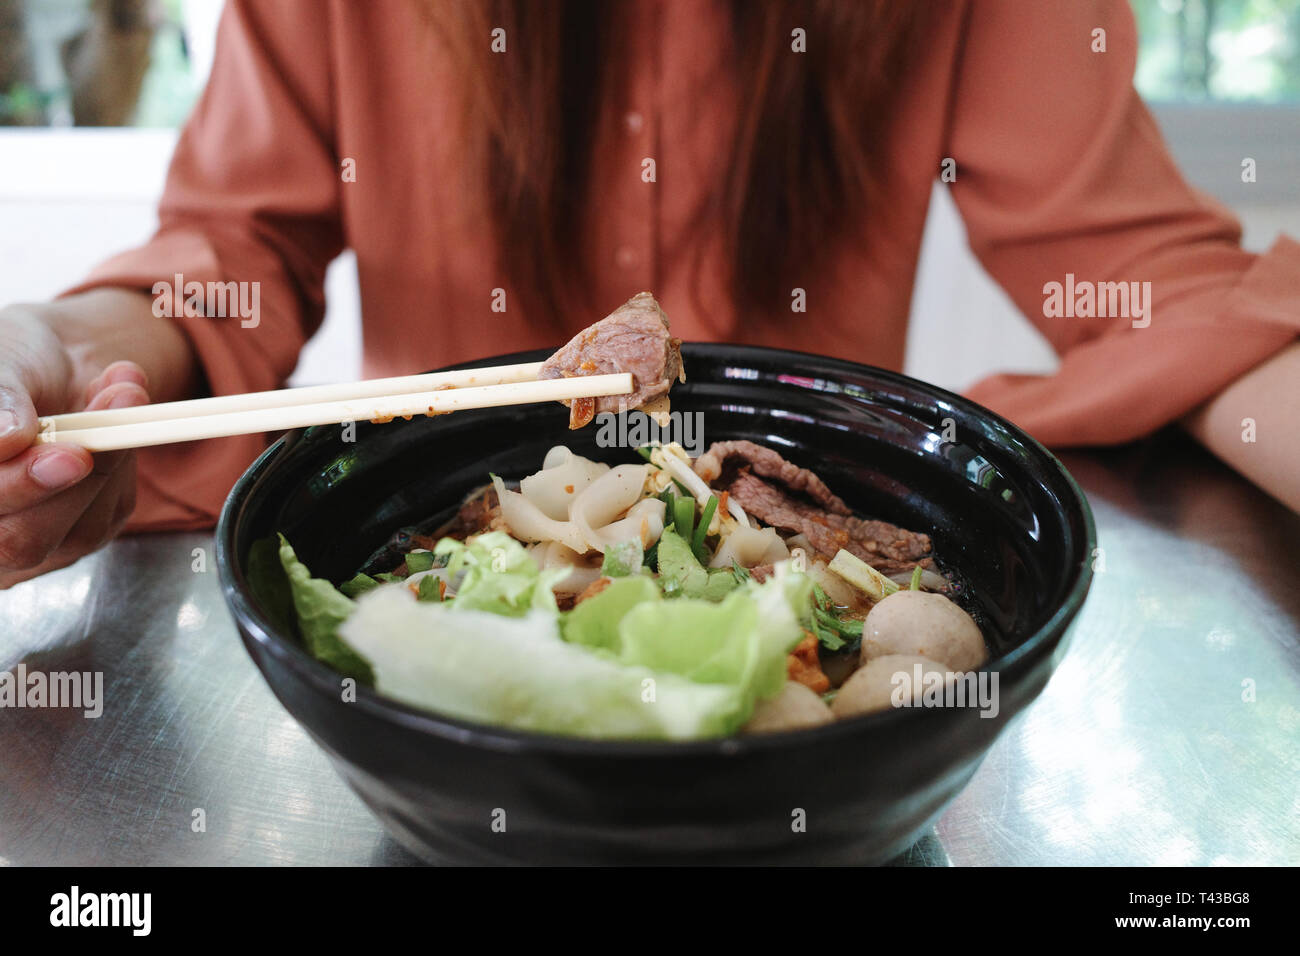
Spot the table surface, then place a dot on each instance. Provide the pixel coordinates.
(1167, 736)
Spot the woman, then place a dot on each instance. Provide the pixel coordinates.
(507, 172)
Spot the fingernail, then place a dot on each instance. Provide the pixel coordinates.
(8, 423)
(124, 400)
(124, 373)
(57, 470)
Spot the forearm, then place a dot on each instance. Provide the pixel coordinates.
(108, 325)
(1254, 425)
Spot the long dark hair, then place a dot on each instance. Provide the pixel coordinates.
(805, 161)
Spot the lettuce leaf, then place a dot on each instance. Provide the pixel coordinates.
(358, 585)
(321, 608)
(269, 585)
(742, 641)
(519, 672)
(622, 559)
(594, 623)
(499, 576)
(680, 572)
(626, 663)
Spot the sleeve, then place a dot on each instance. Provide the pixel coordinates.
(251, 198)
(1062, 177)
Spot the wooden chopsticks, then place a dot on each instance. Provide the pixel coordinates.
(374, 400)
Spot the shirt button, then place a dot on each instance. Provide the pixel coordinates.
(633, 122)
(626, 257)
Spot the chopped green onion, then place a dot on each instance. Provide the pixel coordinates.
(644, 452)
(358, 585)
(702, 529)
(916, 578)
(418, 561)
(684, 517)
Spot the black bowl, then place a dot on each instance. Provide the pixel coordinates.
(1006, 517)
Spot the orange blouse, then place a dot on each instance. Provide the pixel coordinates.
(1059, 169)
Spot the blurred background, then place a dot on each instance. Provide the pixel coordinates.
(92, 93)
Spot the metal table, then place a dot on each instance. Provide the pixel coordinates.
(1168, 735)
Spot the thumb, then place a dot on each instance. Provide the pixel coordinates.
(34, 375)
(18, 419)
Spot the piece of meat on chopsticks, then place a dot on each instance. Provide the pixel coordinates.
(633, 338)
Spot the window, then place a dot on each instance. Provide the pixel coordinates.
(1232, 51)
(144, 62)
(103, 62)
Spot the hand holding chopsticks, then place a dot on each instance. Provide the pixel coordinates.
(375, 400)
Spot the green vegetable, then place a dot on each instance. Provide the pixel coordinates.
(702, 529)
(387, 578)
(721, 582)
(418, 561)
(270, 585)
(743, 641)
(518, 672)
(429, 589)
(825, 623)
(499, 575)
(644, 452)
(622, 559)
(681, 573)
(741, 573)
(828, 638)
(321, 608)
(358, 585)
(628, 664)
(832, 631)
(684, 516)
(594, 623)
(916, 578)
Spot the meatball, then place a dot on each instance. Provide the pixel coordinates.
(795, 707)
(872, 687)
(927, 625)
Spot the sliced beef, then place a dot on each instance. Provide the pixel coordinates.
(766, 463)
(887, 547)
(633, 338)
(794, 499)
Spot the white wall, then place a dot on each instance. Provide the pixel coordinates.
(71, 198)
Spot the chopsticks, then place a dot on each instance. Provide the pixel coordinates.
(382, 399)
